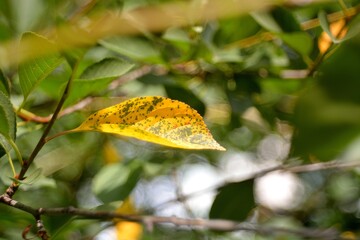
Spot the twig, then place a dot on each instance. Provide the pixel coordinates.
(29, 116)
(336, 164)
(11, 190)
(25, 166)
(201, 224)
(146, 69)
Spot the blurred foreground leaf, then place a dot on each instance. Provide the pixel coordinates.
(154, 119)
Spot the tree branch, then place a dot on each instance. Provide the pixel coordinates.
(201, 224)
(336, 164)
(6, 198)
(11, 190)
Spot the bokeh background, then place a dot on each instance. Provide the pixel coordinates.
(277, 83)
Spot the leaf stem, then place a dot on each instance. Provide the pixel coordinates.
(9, 159)
(59, 134)
(17, 151)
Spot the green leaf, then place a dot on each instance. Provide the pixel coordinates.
(327, 114)
(7, 117)
(324, 23)
(7, 122)
(134, 48)
(4, 84)
(106, 68)
(97, 77)
(266, 21)
(115, 182)
(277, 20)
(301, 42)
(234, 201)
(285, 19)
(177, 35)
(175, 90)
(185, 95)
(32, 72)
(154, 119)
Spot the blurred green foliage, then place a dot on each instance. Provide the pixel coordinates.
(250, 76)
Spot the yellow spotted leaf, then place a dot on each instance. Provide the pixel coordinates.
(158, 120)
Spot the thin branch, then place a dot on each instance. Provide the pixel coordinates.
(201, 224)
(146, 69)
(336, 164)
(42, 233)
(11, 190)
(29, 116)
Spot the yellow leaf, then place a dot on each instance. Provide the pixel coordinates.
(110, 154)
(158, 120)
(337, 29)
(128, 230)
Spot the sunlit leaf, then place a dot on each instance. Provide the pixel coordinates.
(335, 29)
(32, 72)
(124, 229)
(327, 114)
(154, 119)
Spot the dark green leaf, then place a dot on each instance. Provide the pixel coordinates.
(115, 182)
(234, 201)
(32, 72)
(285, 19)
(327, 115)
(301, 42)
(185, 95)
(230, 32)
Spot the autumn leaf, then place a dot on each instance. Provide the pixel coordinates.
(337, 29)
(126, 230)
(158, 120)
